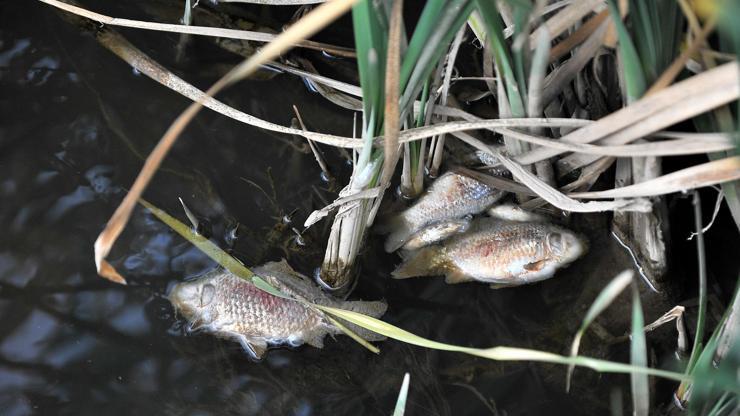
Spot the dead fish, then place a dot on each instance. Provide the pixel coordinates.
(503, 253)
(452, 196)
(436, 232)
(229, 307)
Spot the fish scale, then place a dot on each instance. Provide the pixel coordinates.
(452, 196)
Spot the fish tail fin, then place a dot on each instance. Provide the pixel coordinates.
(400, 231)
(422, 263)
(374, 309)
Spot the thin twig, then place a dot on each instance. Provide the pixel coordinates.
(312, 145)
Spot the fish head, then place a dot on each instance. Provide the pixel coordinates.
(195, 300)
(564, 246)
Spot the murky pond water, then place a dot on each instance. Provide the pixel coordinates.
(75, 122)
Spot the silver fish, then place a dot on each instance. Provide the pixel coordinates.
(503, 253)
(230, 307)
(452, 196)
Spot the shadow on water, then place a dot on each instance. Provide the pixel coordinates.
(76, 123)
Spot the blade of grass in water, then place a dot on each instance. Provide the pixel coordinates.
(495, 353)
(402, 395)
(603, 300)
(638, 358)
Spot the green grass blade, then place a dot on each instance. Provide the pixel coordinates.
(701, 256)
(494, 31)
(402, 395)
(603, 300)
(638, 358)
(428, 23)
(203, 244)
(495, 353)
(633, 75)
(456, 13)
(371, 39)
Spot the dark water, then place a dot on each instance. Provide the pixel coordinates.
(75, 122)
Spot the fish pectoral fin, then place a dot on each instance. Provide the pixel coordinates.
(455, 276)
(256, 347)
(535, 266)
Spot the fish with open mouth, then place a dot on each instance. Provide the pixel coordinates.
(503, 253)
(451, 197)
(229, 307)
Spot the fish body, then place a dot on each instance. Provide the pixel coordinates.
(229, 307)
(452, 196)
(436, 232)
(503, 253)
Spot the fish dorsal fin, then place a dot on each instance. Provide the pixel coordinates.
(256, 347)
(456, 276)
(535, 266)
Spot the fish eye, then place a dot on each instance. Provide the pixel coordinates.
(207, 294)
(556, 242)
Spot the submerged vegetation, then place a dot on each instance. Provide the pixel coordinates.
(583, 91)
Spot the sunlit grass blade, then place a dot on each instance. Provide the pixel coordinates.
(638, 358)
(203, 244)
(603, 300)
(402, 395)
(495, 353)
